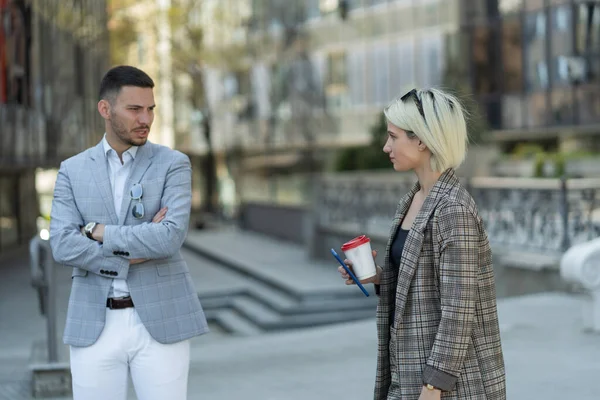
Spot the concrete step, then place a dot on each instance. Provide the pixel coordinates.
(255, 311)
(242, 313)
(319, 319)
(231, 322)
(281, 303)
(309, 306)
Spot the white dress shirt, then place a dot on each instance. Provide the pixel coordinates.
(118, 173)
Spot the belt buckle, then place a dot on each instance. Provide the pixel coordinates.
(110, 303)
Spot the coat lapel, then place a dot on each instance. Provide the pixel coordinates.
(99, 167)
(416, 236)
(142, 161)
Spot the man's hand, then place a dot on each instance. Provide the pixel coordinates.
(427, 394)
(160, 215)
(98, 232)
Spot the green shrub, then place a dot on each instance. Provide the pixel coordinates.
(366, 157)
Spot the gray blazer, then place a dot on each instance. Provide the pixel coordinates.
(163, 293)
(440, 304)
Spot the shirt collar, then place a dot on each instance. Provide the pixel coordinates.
(132, 150)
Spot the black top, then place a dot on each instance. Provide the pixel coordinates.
(396, 255)
(397, 247)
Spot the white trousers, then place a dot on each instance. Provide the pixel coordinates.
(158, 371)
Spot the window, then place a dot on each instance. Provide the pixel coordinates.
(512, 112)
(336, 69)
(431, 60)
(588, 28)
(402, 56)
(312, 9)
(512, 55)
(319, 62)
(352, 4)
(483, 63)
(509, 7)
(535, 112)
(456, 71)
(381, 73)
(588, 104)
(141, 50)
(536, 67)
(561, 18)
(356, 77)
(534, 5)
(561, 108)
(337, 80)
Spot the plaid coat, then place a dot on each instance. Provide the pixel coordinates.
(443, 302)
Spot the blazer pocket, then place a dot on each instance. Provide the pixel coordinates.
(78, 272)
(172, 269)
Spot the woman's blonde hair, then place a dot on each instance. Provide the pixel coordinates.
(437, 118)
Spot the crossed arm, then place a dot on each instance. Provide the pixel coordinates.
(142, 242)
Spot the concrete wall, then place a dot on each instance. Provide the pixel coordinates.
(283, 222)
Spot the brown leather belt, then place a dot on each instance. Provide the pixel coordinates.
(117, 304)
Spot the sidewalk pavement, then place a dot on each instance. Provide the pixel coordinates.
(546, 352)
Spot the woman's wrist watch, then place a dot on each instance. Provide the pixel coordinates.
(429, 386)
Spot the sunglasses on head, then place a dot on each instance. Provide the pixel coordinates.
(413, 95)
(136, 193)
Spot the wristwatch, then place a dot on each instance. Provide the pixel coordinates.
(429, 386)
(89, 228)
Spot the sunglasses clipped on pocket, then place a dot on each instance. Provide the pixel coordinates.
(136, 193)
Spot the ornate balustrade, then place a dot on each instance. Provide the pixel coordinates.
(541, 217)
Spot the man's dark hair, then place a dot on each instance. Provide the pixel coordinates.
(123, 75)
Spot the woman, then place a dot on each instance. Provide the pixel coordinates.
(437, 323)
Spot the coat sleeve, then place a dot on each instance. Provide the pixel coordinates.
(458, 272)
(164, 239)
(69, 246)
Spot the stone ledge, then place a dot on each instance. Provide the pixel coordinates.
(50, 380)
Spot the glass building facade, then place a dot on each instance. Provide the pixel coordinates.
(53, 54)
(534, 65)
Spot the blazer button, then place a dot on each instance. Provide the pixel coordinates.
(102, 271)
(127, 253)
(116, 253)
(114, 273)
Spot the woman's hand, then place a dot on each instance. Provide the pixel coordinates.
(349, 281)
(427, 394)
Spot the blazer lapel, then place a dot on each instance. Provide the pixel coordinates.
(416, 236)
(142, 161)
(99, 167)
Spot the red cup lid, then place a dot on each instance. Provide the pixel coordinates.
(357, 241)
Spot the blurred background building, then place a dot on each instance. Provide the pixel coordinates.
(535, 67)
(52, 56)
(316, 77)
(265, 94)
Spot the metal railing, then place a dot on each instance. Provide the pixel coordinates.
(538, 216)
(42, 278)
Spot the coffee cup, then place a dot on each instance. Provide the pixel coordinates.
(358, 250)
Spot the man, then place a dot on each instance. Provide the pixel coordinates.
(119, 217)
